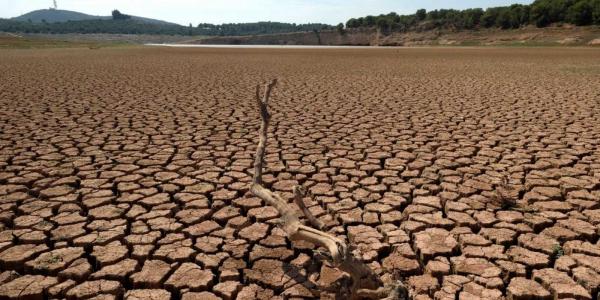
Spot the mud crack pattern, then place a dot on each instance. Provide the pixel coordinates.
(468, 173)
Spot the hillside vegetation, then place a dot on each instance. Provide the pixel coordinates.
(540, 13)
(59, 15)
(55, 15)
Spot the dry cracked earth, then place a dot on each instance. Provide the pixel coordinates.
(467, 173)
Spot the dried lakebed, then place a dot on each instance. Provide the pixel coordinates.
(469, 173)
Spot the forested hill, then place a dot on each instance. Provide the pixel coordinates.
(124, 24)
(540, 13)
(61, 15)
(55, 15)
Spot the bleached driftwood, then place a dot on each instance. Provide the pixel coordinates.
(365, 283)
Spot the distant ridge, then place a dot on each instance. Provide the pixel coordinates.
(57, 21)
(55, 15)
(60, 15)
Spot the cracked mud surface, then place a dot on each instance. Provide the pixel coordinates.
(469, 173)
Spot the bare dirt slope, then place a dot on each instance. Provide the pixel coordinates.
(124, 172)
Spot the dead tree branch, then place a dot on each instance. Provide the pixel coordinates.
(365, 283)
(299, 193)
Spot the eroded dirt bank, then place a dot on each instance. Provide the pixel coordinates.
(529, 36)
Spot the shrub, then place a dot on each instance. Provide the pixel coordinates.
(421, 14)
(117, 15)
(340, 28)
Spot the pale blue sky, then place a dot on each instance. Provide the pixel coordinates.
(235, 11)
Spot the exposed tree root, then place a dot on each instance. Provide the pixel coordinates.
(365, 283)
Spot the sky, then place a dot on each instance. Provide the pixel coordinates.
(238, 11)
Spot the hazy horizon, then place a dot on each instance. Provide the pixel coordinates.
(238, 11)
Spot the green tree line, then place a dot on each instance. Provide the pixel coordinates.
(123, 24)
(540, 13)
(258, 28)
